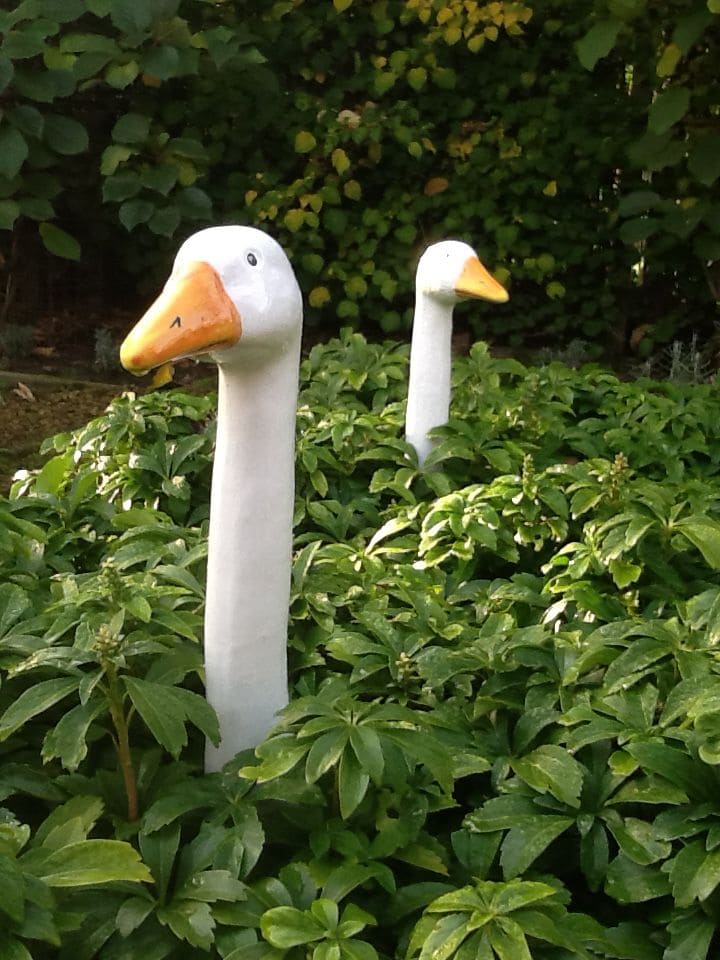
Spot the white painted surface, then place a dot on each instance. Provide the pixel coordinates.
(428, 403)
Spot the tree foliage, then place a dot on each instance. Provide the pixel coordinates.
(577, 148)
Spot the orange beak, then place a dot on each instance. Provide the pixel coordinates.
(192, 315)
(476, 281)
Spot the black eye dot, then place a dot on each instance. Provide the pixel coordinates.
(252, 259)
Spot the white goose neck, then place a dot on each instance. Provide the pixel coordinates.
(250, 547)
(428, 402)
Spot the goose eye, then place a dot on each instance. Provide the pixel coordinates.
(252, 259)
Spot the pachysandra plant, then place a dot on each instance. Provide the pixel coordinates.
(446, 273)
(503, 736)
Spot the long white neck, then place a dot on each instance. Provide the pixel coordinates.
(250, 550)
(428, 402)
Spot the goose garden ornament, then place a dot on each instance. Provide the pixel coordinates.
(447, 272)
(232, 295)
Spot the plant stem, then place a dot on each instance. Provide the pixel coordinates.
(123, 744)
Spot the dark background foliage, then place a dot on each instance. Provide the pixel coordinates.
(577, 148)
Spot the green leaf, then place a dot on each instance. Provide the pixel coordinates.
(13, 151)
(6, 71)
(161, 712)
(24, 44)
(597, 42)
(424, 749)
(346, 878)
(643, 652)
(9, 212)
(694, 873)
(193, 203)
(357, 950)
(198, 711)
(353, 782)
(639, 229)
(675, 765)
(704, 534)
(636, 839)
(65, 135)
(132, 914)
(161, 178)
(112, 157)
(285, 927)
(212, 885)
(691, 699)
(63, 11)
(278, 757)
(159, 850)
(628, 882)
(162, 62)
(668, 108)
(304, 142)
(704, 161)
(325, 753)
(187, 147)
(417, 77)
(178, 800)
(131, 128)
(131, 17)
(14, 601)
(12, 884)
(552, 769)
(134, 212)
(37, 208)
(189, 920)
(508, 940)
(33, 701)
(165, 221)
(89, 862)
(690, 935)
(12, 949)
(58, 242)
(81, 810)
(366, 745)
(44, 86)
(669, 59)
(524, 844)
(67, 741)
(624, 573)
(515, 894)
(121, 75)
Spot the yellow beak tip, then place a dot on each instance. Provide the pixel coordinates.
(130, 362)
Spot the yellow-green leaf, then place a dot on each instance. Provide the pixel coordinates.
(89, 862)
(294, 219)
(352, 190)
(669, 60)
(417, 77)
(318, 296)
(304, 142)
(112, 157)
(340, 160)
(59, 242)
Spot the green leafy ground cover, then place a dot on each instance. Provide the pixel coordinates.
(504, 734)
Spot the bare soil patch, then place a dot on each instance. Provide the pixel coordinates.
(31, 410)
